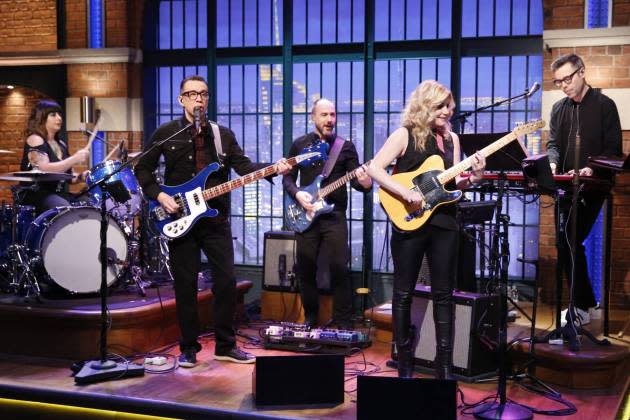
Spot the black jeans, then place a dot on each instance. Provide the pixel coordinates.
(408, 249)
(589, 206)
(215, 239)
(329, 235)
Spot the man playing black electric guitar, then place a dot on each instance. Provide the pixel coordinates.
(329, 232)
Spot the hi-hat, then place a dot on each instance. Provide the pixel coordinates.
(6, 151)
(37, 176)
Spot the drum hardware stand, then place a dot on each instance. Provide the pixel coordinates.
(103, 368)
(22, 277)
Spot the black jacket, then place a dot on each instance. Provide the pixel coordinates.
(179, 161)
(600, 130)
(347, 161)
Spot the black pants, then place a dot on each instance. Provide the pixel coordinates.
(328, 235)
(408, 249)
(215, 239)
(588, 209)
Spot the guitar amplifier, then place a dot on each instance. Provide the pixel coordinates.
(476, 323)
(280, 265)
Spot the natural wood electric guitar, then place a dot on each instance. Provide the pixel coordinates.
(429, 180)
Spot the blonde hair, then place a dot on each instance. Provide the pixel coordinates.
(418, 113)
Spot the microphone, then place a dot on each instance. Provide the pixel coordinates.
(533, 89)
(197, 119)
(282, 268)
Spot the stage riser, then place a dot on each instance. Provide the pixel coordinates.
(74, 334)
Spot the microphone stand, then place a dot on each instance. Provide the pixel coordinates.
(461, 118)
(103, 369)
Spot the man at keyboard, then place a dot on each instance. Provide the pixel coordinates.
(591, 115)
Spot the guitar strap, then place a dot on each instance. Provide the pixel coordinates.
(217, 141)
(332, 156)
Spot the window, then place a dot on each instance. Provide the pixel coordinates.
(268, 105)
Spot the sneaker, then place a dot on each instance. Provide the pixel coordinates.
(236, 355)
(595, 313)
(188, 359)
(582, 317)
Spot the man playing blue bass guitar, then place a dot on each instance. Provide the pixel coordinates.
(188, 154)
(327, 233)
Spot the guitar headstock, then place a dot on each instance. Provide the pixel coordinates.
(321, 150)
(529, 127)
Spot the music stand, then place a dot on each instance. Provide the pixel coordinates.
(506, 159)
(537, 173)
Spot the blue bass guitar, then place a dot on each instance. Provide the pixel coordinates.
(192, 198)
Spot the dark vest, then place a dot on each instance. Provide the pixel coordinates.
(411, 160)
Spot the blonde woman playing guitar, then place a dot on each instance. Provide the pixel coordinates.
(425, 133)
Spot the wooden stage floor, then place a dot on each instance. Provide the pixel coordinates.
(225, 389)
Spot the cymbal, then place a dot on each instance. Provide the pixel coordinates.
(133, 155)
(6, 151)
(11, 178)
(39, 176)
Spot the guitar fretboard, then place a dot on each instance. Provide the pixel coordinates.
(244, 180)
(337, 183)
(455, 170)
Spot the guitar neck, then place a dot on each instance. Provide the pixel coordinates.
(243, 180)
(338, 183)
(455, 170)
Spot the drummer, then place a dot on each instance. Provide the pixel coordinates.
(46, 151)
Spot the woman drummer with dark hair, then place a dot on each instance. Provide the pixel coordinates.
(44, 150)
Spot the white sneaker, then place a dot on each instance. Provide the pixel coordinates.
(595, 313)
(583, 317)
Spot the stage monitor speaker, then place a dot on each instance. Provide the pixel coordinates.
(382, 397)
(475, 329)
(279, 263)
(279, 260)
(298, 380)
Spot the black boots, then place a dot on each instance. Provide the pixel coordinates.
(405, 354)
(443, 317)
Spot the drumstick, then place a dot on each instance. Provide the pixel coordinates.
(112, 151)
(94, 133)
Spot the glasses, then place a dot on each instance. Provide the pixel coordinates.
(193, 94)
(566, 80)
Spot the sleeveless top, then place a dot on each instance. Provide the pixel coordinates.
(45, 149)
(443, 216)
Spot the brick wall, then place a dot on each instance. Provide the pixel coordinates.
(28, 25)
(563, 14)
(621, 13)
(607, 67)
(76, 24)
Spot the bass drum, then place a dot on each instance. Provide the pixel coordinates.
(64, 243)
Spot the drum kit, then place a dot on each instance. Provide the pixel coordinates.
(60, 247)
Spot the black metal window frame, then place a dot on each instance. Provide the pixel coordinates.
(367, 51)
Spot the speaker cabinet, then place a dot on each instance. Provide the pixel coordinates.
(298, 380)
(280, 265)
(381, 397)
(279, 260)
(476, 323)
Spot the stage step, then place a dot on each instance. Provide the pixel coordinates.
(593, 367)
(69, 328)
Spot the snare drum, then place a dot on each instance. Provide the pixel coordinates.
(64, 244)
(128, 179)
